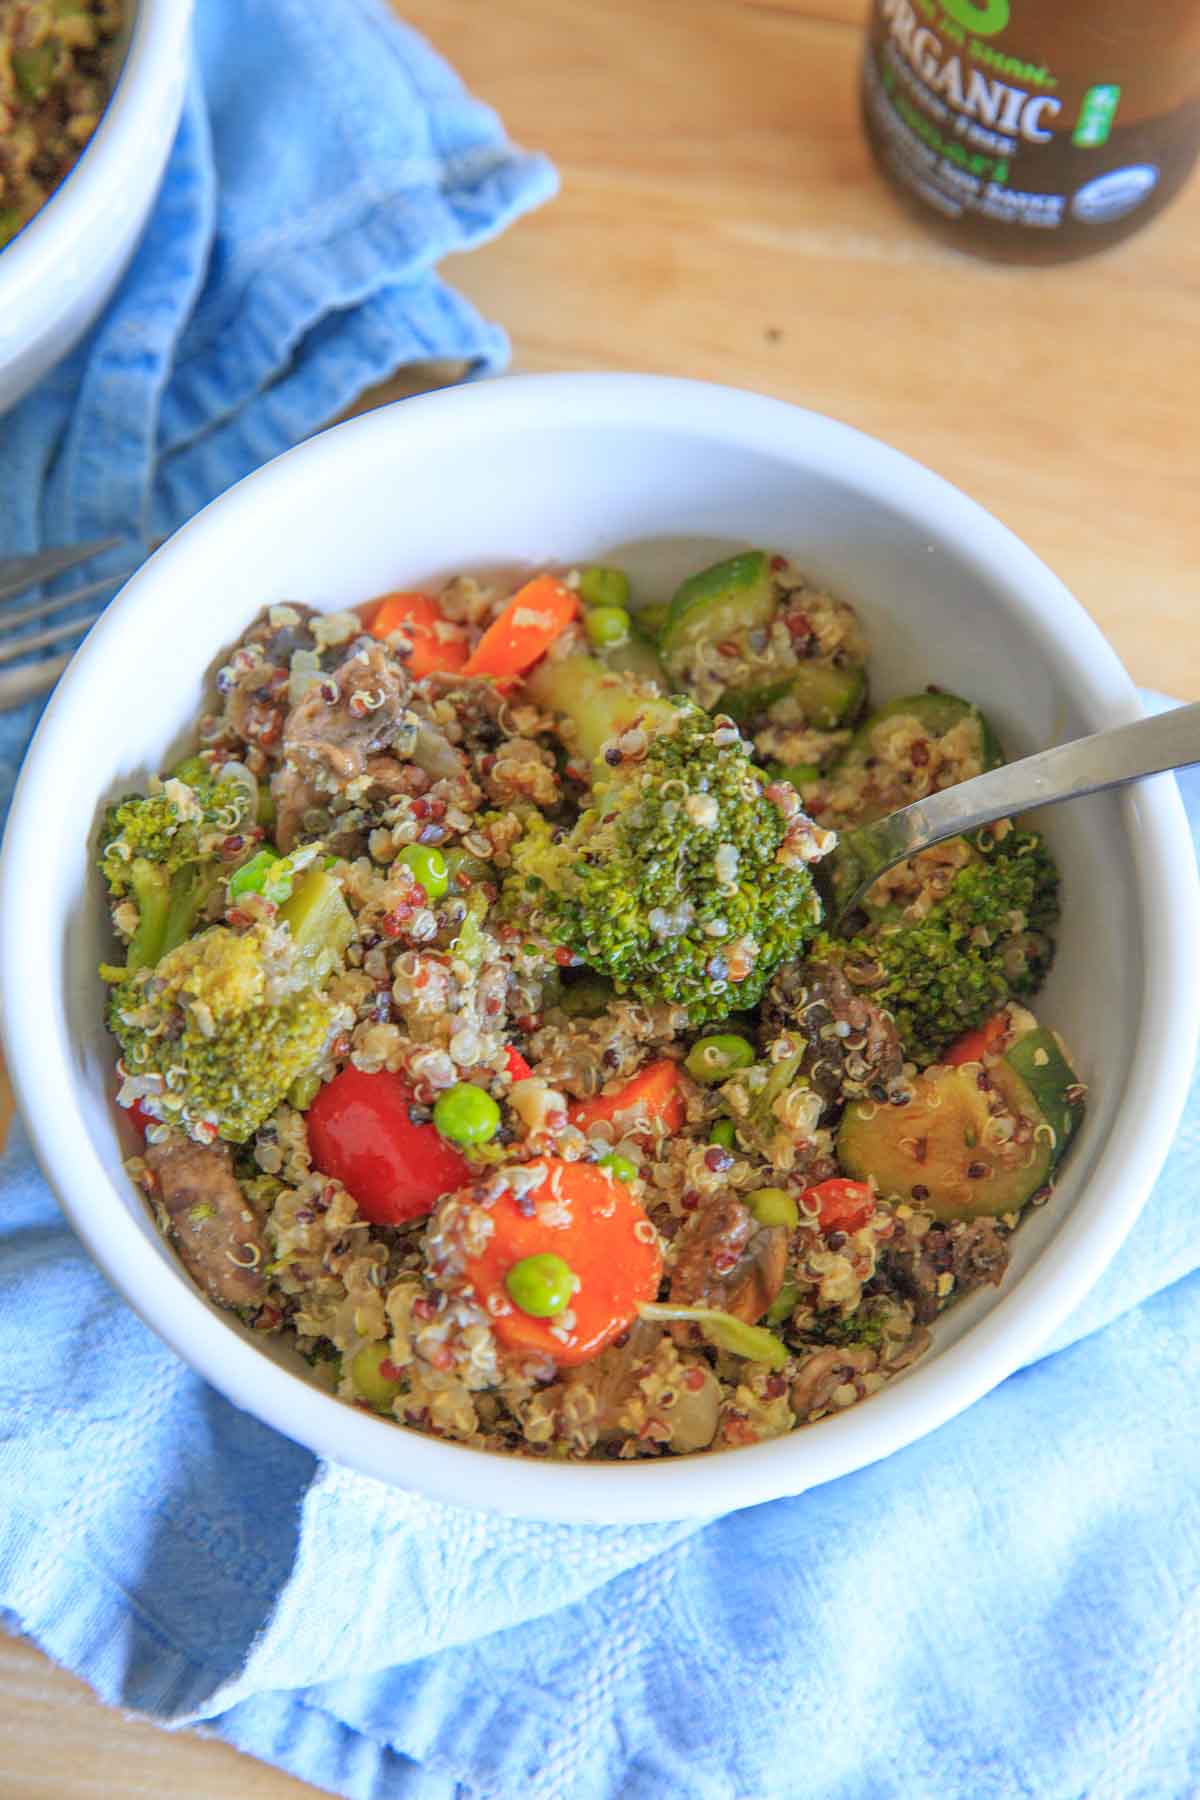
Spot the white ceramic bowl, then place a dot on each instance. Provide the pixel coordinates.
(59, 272)
(667, 475)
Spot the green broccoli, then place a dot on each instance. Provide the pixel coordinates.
(686, 878)
(215, 1035)
(160, 856)
(984, 942)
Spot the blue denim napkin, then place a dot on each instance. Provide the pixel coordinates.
(326, 162)
(1011, 1606)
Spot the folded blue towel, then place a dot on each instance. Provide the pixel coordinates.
(326, 161)
(1011, 1606)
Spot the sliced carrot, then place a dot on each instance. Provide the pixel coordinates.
(419, 618)
(526, 628)
(591, 1220)
(655, 1096)
(976, 1046)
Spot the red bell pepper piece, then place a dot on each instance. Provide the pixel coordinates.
(360, 1134)
(845, 1205)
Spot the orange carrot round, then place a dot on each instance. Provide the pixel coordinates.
(418, 617)
(584, 1215)
(525, 630)
(654, 1096)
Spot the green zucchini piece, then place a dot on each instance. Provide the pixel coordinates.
(940, 1151)
(600, 702)
(320, 921)
(1054, 1088)
(587, 997)
(799, 774)
(648, 621)
(724, 1330)
(637, 658)
(734, 596)
(825, 697)
(937, 713)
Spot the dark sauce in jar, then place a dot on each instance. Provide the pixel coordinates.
(1034, 131)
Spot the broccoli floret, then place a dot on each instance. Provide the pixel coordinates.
(683, 880)
(983, 943)
(221, 1028)
(160, 857)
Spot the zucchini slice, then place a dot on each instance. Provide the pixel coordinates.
(823, 695)
(946, 1151)
(937, 714)
(600, 702)
(637, 658)
(732, 597)
(1054, 1088)
(648, 621)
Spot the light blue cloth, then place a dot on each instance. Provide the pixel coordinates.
(1010, 1607)
(326, 161)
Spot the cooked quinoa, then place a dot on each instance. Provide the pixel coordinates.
(57, 60)
(379, 851)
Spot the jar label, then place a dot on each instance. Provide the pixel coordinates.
(1020, 113)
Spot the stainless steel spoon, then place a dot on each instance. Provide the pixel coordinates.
(1170, 740)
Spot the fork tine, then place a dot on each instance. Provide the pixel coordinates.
(54, 634)
(20, 572)
(57, 602)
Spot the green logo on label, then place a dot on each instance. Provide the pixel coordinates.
(986, 20)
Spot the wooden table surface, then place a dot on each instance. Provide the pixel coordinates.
(719, 218)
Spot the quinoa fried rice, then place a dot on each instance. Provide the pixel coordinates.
(754, 1315)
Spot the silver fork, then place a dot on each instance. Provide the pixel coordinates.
(1170, 740)
(17, 575)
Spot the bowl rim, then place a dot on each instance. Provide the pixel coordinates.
(27, 263)
(1167, 891)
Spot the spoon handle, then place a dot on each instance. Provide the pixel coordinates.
(1169, 740)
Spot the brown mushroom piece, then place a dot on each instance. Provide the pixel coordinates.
(330, 734)
(824, 1372)
(218, 1234)
(850, 1046)
(725, 1259)
(972, 1252)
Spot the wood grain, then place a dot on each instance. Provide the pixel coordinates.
(720, 218)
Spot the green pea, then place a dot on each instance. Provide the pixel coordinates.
(619, 1167)
(604, 587)
(366, 1372)
(461, 864)
(607, 627)
(714, 1059)
(466, 1114)
(34, 69)
(774, 1206)
(722, 1134)
(540, 1285)
(252, 877)
(429, 868)
(10, 224)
